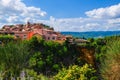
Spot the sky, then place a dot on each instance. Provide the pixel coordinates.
(63, 15)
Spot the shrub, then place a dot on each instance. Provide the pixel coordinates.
(13, 57)
(6, 38)
(56, 67)
(76, 72)
(110, 68)
(34, 76)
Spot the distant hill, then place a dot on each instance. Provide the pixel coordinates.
(92, 34)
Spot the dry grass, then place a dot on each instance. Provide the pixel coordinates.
(111, 66)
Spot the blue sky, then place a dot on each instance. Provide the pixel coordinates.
(63, 15)
(69, 8)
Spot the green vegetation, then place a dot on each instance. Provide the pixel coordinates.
(13, 58)
(37, 57)
(48, 60)
(48, 56)
(110, 68)
(76, 72)
(6, 38)
(107, 57)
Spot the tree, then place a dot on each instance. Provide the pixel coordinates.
(13, 58)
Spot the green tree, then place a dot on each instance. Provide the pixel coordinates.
(13, 58)
(6, 38)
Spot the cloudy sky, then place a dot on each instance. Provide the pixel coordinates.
(63, 15)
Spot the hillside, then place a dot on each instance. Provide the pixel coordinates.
(92, 34)
(49, 60)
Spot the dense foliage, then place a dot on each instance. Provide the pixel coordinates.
(76, 72)
(110, 68)
(48, 56)
(107, 57)
(13, 58)
(6, 38)
(38, 58)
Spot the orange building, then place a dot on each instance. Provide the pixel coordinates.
(24, 35)
(27, 31)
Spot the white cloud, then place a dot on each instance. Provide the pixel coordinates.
(13, 11)
(114, 21)
(11, 19)
(101, 19)
(83, 24)
(108, 12)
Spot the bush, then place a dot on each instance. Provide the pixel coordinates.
(76, 72)
(13, 58)
(34, 76)
(6, 38)
(110, 68)
(56, 67)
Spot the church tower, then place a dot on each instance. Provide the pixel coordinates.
(28, 24)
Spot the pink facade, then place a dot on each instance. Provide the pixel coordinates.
(23, 35)
(49, 34)
(27, 31)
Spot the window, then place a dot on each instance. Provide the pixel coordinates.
(25, 36)
(49, 32)
(5, 33)
(44, 37)
(48, 38)
(17, 36)
(12, 33)
(53, 38)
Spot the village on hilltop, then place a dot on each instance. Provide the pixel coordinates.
(28, 30)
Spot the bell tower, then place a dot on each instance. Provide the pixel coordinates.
(28, 24)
